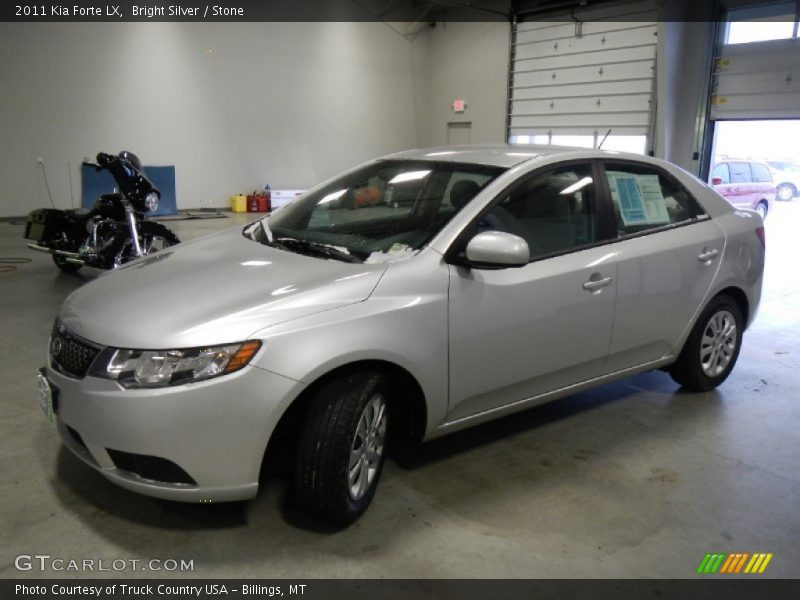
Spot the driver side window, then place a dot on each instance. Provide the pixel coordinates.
(553, 211)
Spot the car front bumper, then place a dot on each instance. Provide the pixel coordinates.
(215, 432)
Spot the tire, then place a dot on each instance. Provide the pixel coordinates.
(711, 340)
(344, 432)
(65, 266)
(786, 191)
(762, 209)
(152, 238)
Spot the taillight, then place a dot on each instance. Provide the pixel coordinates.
(762, 236)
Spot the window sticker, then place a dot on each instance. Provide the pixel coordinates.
(639, 198)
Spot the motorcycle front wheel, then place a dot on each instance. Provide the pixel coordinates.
(152, 238)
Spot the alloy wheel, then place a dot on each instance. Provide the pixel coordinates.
(718, 343)
(367, 448)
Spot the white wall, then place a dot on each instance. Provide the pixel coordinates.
(468, 61)
(230, 105)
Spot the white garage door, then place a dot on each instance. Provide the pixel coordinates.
(581, 78)
(757, 81)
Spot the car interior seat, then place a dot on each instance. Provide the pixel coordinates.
(462, 192)
(548, 216)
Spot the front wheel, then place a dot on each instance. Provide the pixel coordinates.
(341, 449)
(710, 352)
(761, 208)
(152, 238)
(786, 192)
(64, 265)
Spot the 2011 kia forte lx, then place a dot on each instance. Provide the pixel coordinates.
(413, 296)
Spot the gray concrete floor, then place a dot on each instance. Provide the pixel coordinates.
(634, 479)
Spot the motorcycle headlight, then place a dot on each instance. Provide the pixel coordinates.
(151, 201)
(160, 368)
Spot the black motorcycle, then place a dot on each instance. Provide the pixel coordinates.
(113, 232)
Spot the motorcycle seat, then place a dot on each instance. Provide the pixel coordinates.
(80, 213)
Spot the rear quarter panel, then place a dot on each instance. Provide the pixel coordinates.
(742, 263)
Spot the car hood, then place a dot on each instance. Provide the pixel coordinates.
(216, 289)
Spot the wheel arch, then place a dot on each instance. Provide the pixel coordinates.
(739, 296)
(412, 415)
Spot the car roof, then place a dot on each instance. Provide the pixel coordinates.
(740, 160)
(502, 155)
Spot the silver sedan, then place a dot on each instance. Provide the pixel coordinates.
(412, 296)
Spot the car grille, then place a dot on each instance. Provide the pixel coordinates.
(69, 354)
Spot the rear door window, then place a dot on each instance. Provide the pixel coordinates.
(644, 198)
(740, 172)
(761, 173)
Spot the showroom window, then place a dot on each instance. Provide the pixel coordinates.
(552, 211)
(761, 23)
(645, 199)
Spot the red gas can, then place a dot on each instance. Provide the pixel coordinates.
(252, 203)
(263, 203)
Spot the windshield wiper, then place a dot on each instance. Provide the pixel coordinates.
(313, 248)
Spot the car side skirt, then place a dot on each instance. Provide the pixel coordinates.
(520, 405)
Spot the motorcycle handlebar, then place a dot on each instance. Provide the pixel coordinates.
(104, 159)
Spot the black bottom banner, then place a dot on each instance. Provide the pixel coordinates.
(390, 589)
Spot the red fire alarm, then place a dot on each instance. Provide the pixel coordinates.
(459, 106)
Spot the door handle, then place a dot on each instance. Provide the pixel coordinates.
(707, 254)
(595, 284)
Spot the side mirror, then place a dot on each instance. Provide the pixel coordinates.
(498, 249)
(716, 181)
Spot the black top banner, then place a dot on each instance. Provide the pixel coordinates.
(413, 11)
(254, 10)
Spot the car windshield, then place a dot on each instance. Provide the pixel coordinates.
(381, 212)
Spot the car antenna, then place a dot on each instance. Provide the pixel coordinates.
(600, 145)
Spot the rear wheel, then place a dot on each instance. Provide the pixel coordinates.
(710, 352)
(786, 191)
(342, 445)
(761, 208)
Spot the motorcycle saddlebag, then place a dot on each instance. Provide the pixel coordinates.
(44, 224)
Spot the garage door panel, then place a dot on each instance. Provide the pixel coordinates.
(524, 61)
(613, 88)
(760, 83)
(527, 35)
(587, 104)
(591, 74)
(624, 38)
(578, 130)
(756, 106)
(747, 58)
(613, 120)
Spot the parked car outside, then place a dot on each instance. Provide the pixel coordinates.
(745, 184)
(787, 178)
(483, 281)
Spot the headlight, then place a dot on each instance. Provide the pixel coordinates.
(151, 201)
(159, 368)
